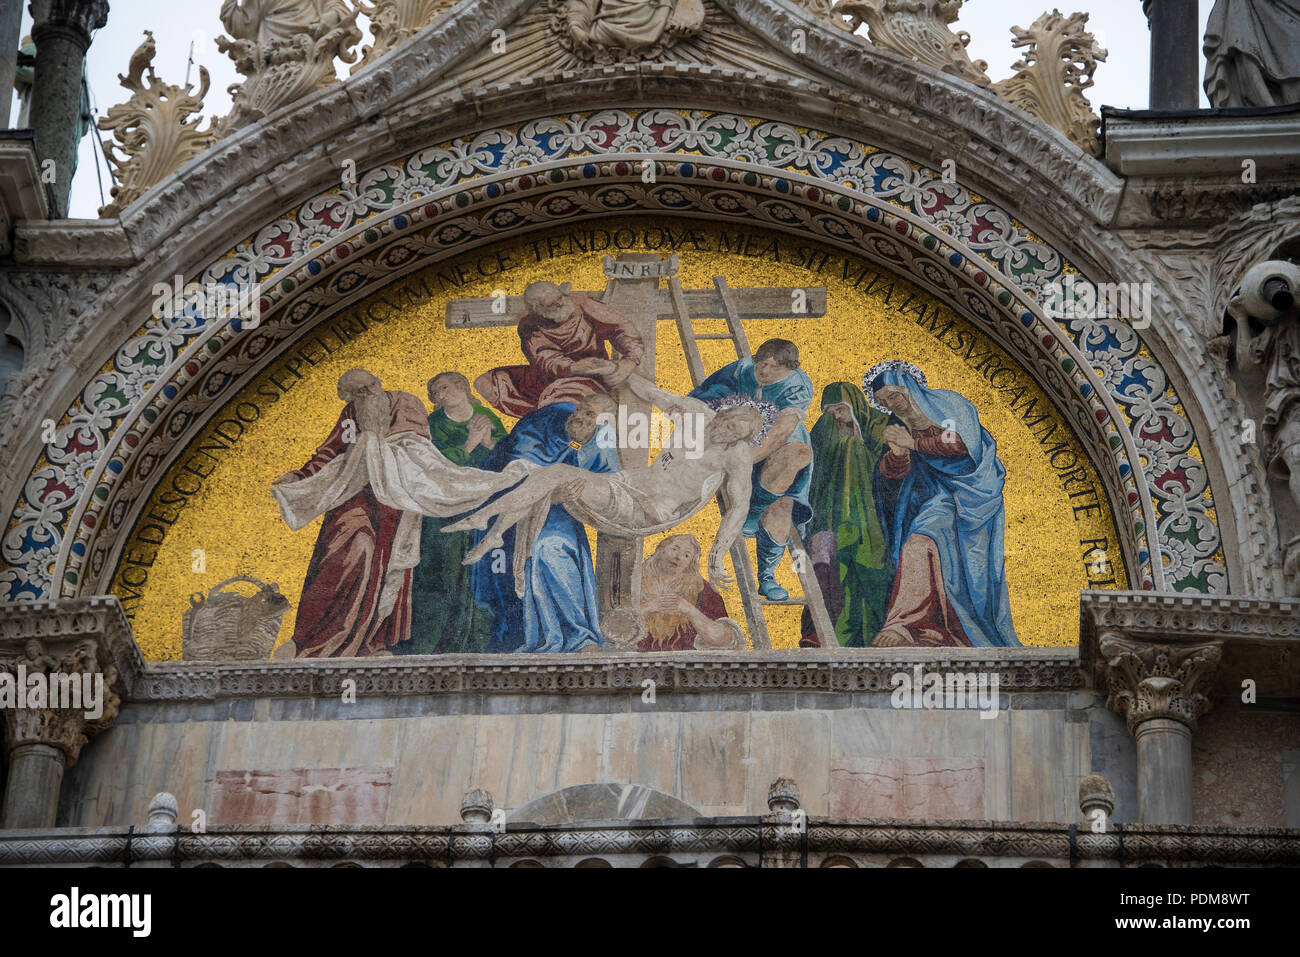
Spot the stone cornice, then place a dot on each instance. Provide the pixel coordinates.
(1156, 145)
(1186, 617)
(1260, 639)
(935, 843)
(1020, 669)
(71, 620)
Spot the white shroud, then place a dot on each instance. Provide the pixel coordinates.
(406, 472)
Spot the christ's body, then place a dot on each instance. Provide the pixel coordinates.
(647, 498)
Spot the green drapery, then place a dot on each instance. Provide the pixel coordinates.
(444, 616)
(843, 472)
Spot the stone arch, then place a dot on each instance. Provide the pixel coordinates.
(57, 536)
(602, 802)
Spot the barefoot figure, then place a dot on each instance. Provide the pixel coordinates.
(641, 500)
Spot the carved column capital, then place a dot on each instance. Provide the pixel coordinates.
(79, 18)
(57, 696)
(64, 668)
(1146, 680)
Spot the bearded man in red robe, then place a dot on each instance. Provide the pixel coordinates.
(356, 599)
(559, 336)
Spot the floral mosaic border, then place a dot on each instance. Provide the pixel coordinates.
(444, 198)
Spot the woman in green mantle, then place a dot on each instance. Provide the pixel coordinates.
(444, 616)
(847, 544)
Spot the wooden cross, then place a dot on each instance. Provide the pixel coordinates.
(633, 289)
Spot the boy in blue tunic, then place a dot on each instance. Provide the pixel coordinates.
(782, 459)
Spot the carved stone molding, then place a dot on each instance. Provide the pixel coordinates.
(52, 309)
(1149, 616)
(394, 21)
(1028, 669)
(66, 622)
(62, 646)
(754, 841)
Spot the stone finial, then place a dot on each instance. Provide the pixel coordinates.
(783, 796)
(1095, 793)
(918, 31)
(152, 130)
(1057, 65)
(284, 49)
(476, 807)
(163, 811)
(1147, 680)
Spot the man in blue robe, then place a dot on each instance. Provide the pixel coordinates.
(782, 459)
(558, 610)
(938, 492)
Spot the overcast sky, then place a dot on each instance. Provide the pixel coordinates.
(1118, 24)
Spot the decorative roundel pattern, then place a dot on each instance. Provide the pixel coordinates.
(446, 198)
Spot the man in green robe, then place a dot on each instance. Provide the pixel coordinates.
(847, 545)
(444, 617)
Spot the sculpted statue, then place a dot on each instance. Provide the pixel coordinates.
(608, 30)
(1252, 53)
(285, 49)
(1268, 330)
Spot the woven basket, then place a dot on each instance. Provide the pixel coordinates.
(228, 626)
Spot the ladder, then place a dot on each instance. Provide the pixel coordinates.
(746, 579)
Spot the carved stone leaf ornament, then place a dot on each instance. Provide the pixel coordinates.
(917, 29)
(1060, 57)
(153, 131)
(394, 21)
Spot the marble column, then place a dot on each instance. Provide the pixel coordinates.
(42, 738)
(1175, 54)
(11, 18)
(61, 30)
(1161, 689)
(32, 791)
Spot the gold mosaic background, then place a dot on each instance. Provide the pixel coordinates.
(234, 518)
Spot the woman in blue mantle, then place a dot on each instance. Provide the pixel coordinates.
(938, 492)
